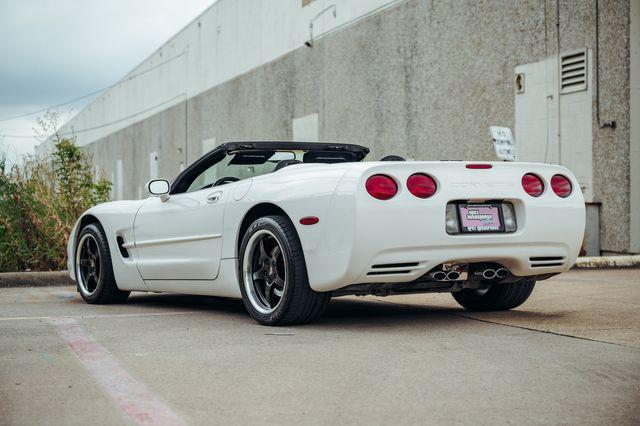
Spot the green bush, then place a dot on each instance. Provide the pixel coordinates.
(40, 200)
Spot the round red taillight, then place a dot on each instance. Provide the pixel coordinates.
(421, 185)
(561, 185)
(381, 187)
(532, 184)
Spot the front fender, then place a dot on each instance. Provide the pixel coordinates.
(116, 219)
(71, 252)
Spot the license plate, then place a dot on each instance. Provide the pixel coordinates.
(480, 218)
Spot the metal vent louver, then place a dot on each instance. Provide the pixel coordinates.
(573, 71)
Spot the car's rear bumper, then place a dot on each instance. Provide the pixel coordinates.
(399, 240)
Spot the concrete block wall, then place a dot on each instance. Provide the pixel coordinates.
(424, 79)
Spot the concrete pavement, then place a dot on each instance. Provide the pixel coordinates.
(571, 354)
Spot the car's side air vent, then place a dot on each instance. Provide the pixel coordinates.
(573, 72)
(394, 265)
(396, 272)
(546, 261)
(123, 251)
(394, 268)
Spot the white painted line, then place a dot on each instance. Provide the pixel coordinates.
(149, 314)
(132, 396)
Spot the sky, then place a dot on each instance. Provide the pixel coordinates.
(52, 51)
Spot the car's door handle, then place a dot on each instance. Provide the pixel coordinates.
(214, 197)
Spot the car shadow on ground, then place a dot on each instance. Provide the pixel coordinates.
(340, 311)
(344, 311)
(371, 313)
(186, 302)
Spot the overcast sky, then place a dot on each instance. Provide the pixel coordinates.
(52, 51)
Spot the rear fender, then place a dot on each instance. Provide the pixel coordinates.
(303, 192)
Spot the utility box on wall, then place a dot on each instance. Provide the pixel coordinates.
(554, 114)
(554, 123)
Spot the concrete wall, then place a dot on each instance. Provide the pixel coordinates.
(230, 38)
(422, 79)
(634, 111)
(611, 166)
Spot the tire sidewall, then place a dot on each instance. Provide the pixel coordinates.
(268, 223)
(103, 249)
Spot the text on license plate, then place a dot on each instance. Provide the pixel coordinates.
(480, 218)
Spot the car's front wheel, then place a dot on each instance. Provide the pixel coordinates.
(273, 275)
(93, 268)
(498, 297)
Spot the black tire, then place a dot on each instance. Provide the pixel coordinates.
(298, 302)
(104, 290)
(499, 297)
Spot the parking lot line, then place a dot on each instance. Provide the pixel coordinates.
(131, 396)
(146, 314)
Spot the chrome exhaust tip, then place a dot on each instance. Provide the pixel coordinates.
(502, 272)
(453, 275)
(439, 276)
(488, 274)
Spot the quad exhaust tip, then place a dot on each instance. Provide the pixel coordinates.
(453, 275)
(446, 276)
(440, 275)
(502, 273)
(489, 274)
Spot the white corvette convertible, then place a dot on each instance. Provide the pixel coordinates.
(285, 226)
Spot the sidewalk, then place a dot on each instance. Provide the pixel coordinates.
(608, 262)
(35, 279)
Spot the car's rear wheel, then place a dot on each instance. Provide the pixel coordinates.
(498, 297)
(273, 275)
(93, 268)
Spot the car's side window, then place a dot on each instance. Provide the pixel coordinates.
(205, 179)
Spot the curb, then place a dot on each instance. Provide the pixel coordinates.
(35, 279)
(61, 278)
(602, 262)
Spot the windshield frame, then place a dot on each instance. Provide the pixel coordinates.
(183, 181)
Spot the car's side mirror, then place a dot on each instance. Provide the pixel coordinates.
(159, 188)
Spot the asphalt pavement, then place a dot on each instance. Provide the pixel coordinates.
(571, 354)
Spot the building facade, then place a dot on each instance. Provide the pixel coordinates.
(424, 79)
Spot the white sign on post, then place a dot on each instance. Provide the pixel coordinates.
(504, 143)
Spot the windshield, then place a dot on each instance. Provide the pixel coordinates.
(234, 161)
(244, 165)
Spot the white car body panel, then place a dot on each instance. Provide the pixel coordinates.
(180, 238)
(116, 218)
(187, 245)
